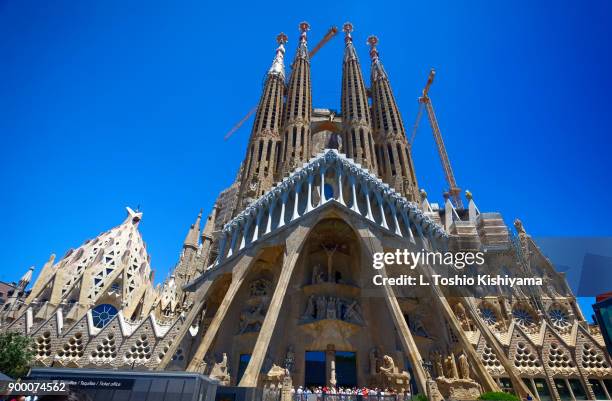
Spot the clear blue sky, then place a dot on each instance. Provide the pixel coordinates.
(108, 104)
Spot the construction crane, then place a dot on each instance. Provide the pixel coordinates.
(424, 101)
(333, 31)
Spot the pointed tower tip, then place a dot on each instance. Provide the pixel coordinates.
(373, 42)
(278, 65)
(133, 216)
(302, 51)
(347, 28)
(281, 38)
(191, 240)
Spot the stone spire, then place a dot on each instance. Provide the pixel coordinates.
(191, 240)
(295, 143)
(357, 130)
(262, 152)
(25, 279)
(207, 236)
(393, 154)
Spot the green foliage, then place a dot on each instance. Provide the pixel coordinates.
(15, 354)
(419, 397)
(498, 396)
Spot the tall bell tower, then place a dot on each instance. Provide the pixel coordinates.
(262, 152)
(393, 154)
(357, 130)
(298, 109)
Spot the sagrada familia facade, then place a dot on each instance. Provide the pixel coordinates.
(277, 281)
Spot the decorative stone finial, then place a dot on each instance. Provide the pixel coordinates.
(278, 65)
(304, 27)
(347, 28)
(373, 41)
(423, 194)
(281, 38)
(468, 195)
(518, 224)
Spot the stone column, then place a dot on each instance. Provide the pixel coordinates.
(240, 271)
(200, 298)
(281, 218)
(257, 224)
(330, 365)
(309, 198)
(408, 343)
(245, 233)
(296, 202)
(383, 219)
(354, 206)
(230, 251)
(292, 253)
(569, 388)
(398, 231)
(340, 195)
(322, 194)
(366, 192)
(271, 215)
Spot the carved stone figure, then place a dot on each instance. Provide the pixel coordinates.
(275, 373)
(438, 363)
(286, 388)
(392, 378)
(310, 309)
(388, 365)
(332, 373)
(335, 141)
(259, 288)
(451, 367)
(464, 367)
(290, 359)
(416, 326)
(201, 368)
(331, 308)
(220, 372)
(321, 308)
(252, 319)
(318, 276)
(374, 361)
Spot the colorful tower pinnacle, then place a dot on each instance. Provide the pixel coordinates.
(298, 109)
(359, 143)
(393, 155)
(262, 153)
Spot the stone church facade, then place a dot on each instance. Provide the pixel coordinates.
(277, 282)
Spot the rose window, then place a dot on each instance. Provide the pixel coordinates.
(559, 318)
(103, 314)
(522, 317)
(488, 316)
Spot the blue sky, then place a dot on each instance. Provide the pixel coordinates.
(109, 104)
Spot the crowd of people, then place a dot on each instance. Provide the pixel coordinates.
(347, 393)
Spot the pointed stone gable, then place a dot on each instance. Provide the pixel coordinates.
(47, 338)
(590, 356)
(137, 350)
(489, 359)
(523, 353)
(102, 351)
(73, 341)
(557, 355)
